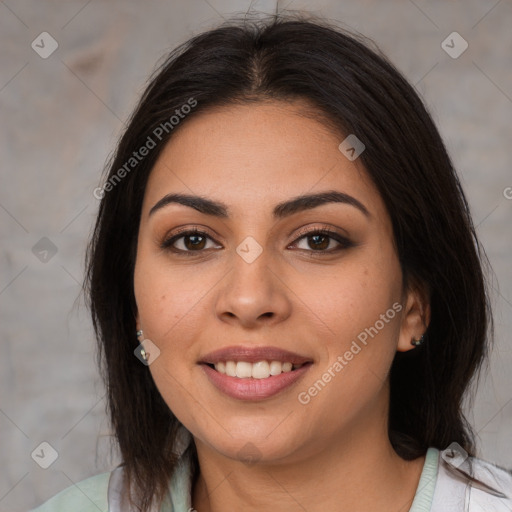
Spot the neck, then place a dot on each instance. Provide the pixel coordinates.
(356, 472)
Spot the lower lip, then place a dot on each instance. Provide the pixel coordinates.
(253, 389)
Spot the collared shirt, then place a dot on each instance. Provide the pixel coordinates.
(448, 483)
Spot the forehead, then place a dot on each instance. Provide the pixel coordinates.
(253, 156)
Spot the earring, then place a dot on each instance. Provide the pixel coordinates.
(142, 351)
(419, 342)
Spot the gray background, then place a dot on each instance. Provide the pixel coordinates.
(60, 118)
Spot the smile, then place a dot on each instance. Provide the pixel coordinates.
(259, 370)
(253, 373)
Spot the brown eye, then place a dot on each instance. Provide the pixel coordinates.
(187, 241)
(193, 242)
(319, 240)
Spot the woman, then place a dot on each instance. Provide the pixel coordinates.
(287, 288)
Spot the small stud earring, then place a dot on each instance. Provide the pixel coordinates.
(142, 351)
(419, 342)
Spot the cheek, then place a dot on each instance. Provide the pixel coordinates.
(174, 308)
(360, 304)
(168, 305)
(157, 307)
(167, 299)
(354, 296)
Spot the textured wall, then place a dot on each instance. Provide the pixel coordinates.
(60, 117)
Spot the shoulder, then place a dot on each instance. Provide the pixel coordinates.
(471, 484)
(491, 486)
(89, 495)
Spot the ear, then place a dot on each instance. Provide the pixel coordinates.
(416, 316)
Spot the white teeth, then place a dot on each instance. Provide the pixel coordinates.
(243, 369)
(276, 367)
(287, 367)
(259, 370)
(230, 368)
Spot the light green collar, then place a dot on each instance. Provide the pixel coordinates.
(425, 492)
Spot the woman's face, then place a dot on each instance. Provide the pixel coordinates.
(260, 286)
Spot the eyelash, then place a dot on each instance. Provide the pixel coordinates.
(344, 242)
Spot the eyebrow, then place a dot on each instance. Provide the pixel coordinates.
(281, 210)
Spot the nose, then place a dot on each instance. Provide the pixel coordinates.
(253, 292)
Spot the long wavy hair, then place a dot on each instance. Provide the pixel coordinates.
(352, 88)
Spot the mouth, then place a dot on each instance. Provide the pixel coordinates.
(253, 373)
(259, 370)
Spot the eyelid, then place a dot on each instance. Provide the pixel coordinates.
(343, 241)
(326, 230)
(169, 240)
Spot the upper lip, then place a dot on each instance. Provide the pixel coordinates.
(253, 355)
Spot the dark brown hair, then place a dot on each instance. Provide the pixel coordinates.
(353, 87)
